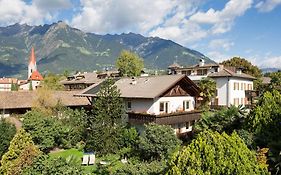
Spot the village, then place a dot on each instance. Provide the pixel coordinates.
(146, 106)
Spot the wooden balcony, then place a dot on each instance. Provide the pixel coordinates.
(164, 119)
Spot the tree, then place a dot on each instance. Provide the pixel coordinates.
(7, 132)
(157, 142)
(214, 153)
(30, 86)
(44, 165)
(208, 90)
(247, 66)
(129, 64)
(14, 87)
(44, 102)
(264, 121)
(105, 124)
(225, 120)
(21, 142)
(52, 82)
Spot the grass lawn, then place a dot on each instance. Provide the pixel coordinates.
(77, 154)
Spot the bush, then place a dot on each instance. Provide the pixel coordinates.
(7, 132)
(214, 153)
(44, 165)
(157, 142)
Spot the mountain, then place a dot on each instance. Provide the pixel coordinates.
(269, 70)
(59, 47)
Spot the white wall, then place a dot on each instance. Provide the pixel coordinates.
(226, 92)
(222, 90)
(175, 103)
(151, 106)
(5, 87)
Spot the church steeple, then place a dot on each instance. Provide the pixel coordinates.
(32, 63)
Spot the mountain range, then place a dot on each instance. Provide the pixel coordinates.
(59, 47)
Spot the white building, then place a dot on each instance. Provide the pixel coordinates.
(167, 99)
(233, 86)
(7, 83)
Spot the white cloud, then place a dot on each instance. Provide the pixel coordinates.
(189, 28)
(270, 62)
(107, 16)
(18, 11)
(220, 43)
(222, 21)
(218, 56)
(267, 5)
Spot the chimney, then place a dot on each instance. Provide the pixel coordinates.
(134, 81)
(201, 62)
(239, 71)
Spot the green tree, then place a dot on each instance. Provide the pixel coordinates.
(247, 66)
(30, 86)
(52, 82)
(224, 120)
(21, 141)
(45, 130)
(214, 153)
(14, 87)
(275, 82)
(208, 90)
(264, 121)
(157, 142)
(44, 165)
(105, 125)
(129, 64)
(7, 132)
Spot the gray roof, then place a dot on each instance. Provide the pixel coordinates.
(228, 73)
(85, 78)
(143, 87)
(266, 80)
(25, 99)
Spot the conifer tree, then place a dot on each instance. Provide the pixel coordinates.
(21, 147)
(105, 125)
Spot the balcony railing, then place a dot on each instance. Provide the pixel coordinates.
(251, 93)
(164, 119)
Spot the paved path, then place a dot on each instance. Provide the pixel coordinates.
(15, 121)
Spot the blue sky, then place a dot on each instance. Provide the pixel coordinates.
(219, 29)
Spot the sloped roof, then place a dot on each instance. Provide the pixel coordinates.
(229, 73)
(8, 80)
(36, 76)
(85, 78)
(25, 99)
(144, 87)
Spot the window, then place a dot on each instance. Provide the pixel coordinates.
(164, 107)
(236, 101)
(186, 105)
(129, 105)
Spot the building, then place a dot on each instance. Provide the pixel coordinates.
(167, 99)
(34, 77)
(233, 86)
(18, 102)
(83, 80)
(6, 84)
(195, 72)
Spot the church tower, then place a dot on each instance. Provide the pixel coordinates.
(32, 63)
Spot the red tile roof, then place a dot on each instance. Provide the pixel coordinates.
(8, 80)
(36, 76)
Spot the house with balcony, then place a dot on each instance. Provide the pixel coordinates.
(167, 99)
(233, 86)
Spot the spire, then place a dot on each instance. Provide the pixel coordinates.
(32, 59)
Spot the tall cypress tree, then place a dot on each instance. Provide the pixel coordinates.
(105, 124)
